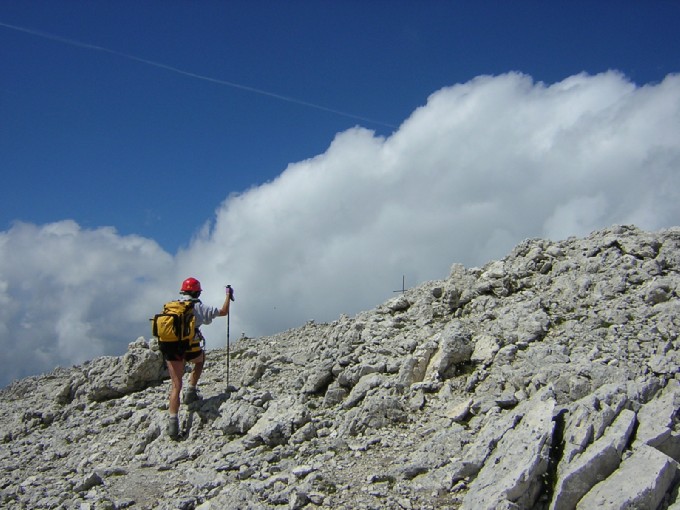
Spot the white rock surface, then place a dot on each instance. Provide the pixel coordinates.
(548, 379)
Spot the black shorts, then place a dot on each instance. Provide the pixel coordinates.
(177, 351)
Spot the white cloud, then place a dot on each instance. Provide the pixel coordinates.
(579, 214)
(70, 294)
(477, 169)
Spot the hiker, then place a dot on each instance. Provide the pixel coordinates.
(177, 353)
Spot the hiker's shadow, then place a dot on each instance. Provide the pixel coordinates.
(207, 409)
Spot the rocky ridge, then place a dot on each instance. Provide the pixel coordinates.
(545, 380)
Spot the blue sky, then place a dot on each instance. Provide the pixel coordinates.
(309, 153)
(106, 140)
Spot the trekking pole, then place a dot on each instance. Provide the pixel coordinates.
(231, 296)
(228, 350)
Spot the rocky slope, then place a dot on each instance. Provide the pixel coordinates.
(546, 380)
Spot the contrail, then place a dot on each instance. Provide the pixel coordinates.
(160, 65)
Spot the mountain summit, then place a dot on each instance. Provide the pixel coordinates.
(545, 380)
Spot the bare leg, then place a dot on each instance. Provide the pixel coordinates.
(176, 370)
(197, 370)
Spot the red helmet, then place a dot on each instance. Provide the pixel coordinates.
(191, 285)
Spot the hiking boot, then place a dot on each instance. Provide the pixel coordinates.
(190, 395)
(173, 427)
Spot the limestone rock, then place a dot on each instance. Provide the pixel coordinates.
(596, 463)
(642, 482)
(513, 473)
(547, 379)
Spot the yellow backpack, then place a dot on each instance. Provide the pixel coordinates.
(176, 324)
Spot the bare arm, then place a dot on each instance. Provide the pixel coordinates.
(225, 307)
(229, 297)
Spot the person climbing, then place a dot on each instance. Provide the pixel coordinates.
(176, 354)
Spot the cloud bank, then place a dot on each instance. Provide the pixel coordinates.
(480, 167)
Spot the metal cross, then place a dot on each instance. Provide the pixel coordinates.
(403, 282)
